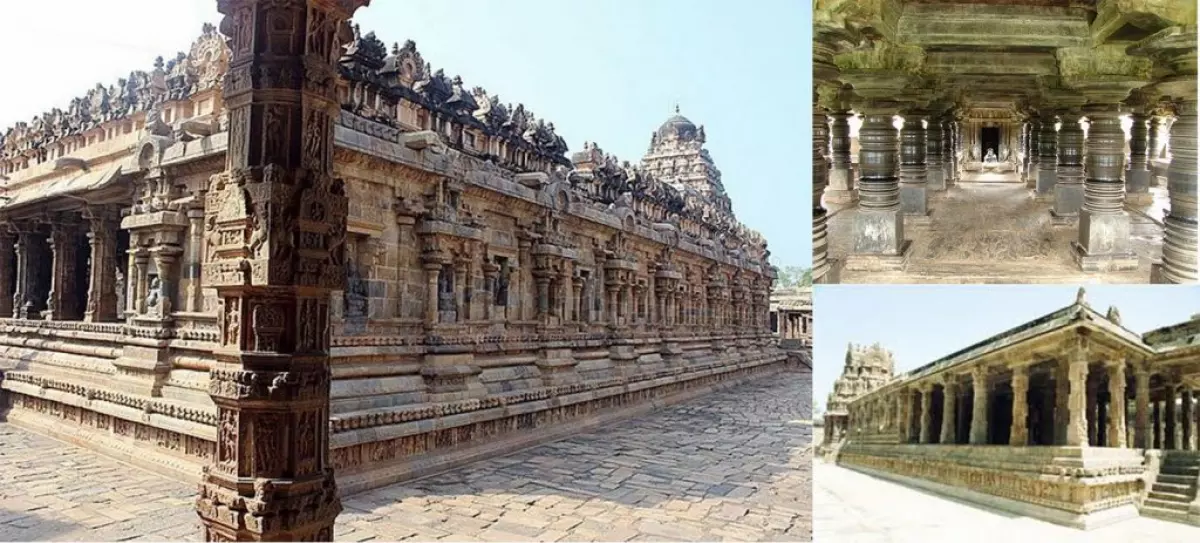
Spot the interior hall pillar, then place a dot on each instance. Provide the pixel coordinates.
(271, 477)
(914, 198)
(102, 279)
(951, 151)
(1116, 405)
(841, 189)
(1031, 172)
(1185, 419)
(7, 265)
(1047, 174)
(1169, 433)
(1173, 52)
(979, 415)
(1019, 432)
(1141, 383)
(1137, 174)
(828, 40)
(1077, 374)
(1104, 227)
(935, 172)
(61, 304)
(927, 414)
(879, 242)
(949, 407)
(1068, 187)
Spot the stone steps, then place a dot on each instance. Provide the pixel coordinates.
(1165, 514)
(1178, 497)
(1176, 479)
(1168, 469)
(1166, 504)
(1172, 488)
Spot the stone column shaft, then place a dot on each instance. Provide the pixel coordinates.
(927, 415)
(935, 173)
(979, 414)
(1031, 172)
(1068, 187)
(1137, 175)
(1104, 227)
(1047, 152)
(1180, 225)
(1169, 422)
(102, 295)
(1077, 424)
(879, 226)
(914, 198)
(1019, 432)
(1142, 438)
(949, 406)
(1116, 409)
(1185, 419)
(841, 187)
(8, 262)
(61, 303)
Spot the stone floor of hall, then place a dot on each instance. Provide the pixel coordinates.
(989, 232)
(732, 465)
(851, 506)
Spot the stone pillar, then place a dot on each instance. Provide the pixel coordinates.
(1169, 433)
(61, 303)
(541, 278)
(979, 414)
(1137, 175)
(949, 161)
(904, 397)
(1068, 188)
(1158, 426)
(935, 173)
(1077, 372)
(1185, 419)
(195, 294)
(462, 286)
(1019, 433)
(1031, 173)
(841, 189)
(7, 264)
(432, 270)
(1104, 227)
(102, 279)
(1047, 174)
(879, 225)
(141, 281)
(1093, 418)
(949, 406)
(914, 199)
(1180, 224)
(821, 265)
(1141, 437)
(927, 414)
(1116, 407)
(1062, 392)
(271, 477)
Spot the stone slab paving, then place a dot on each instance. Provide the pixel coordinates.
(851, 506)
(732, 465)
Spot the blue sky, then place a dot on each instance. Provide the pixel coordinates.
(920, 324)
(606, 71)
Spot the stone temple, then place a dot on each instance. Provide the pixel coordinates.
(1004, 141)
(867, 368)
(294, 260)
(1071, 418)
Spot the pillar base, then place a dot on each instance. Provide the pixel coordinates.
(1139, 198)
(1069, 219)
(914, 200)
(832, 273)
(919, 220)
(1106, 262)
(935, 179)
(1137, 181)
(1068, 200)
(1047, 181)
(879, 262)
(839, 196)
(879, 232)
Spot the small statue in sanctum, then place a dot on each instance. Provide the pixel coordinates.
(990, 156)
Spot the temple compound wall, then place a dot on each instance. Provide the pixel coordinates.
(498, 291)
(1071, 418)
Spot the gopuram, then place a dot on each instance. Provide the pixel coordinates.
(293, 261)
(866, 369)
(1015, 141)
(1070, 418)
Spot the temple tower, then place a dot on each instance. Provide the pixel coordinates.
(677, 156)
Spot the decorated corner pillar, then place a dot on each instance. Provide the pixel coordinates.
(1047, 152)
(914, 197)
(1116, 404)
(1077, 374)
(271, 477)
(1173, 52)
(1068, 186)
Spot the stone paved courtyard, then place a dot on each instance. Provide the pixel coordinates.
(733, 465)
(851, 506)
